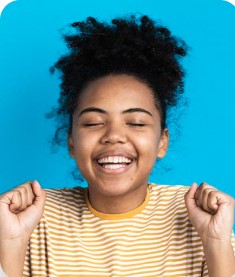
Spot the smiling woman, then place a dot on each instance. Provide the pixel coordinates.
(116, 118)
(118, 82)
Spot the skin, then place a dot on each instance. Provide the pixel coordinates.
(210, 211)
(212, 214)
(20, 211)
(114, 133)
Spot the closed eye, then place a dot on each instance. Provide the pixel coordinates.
(92, 124)
(137, 124)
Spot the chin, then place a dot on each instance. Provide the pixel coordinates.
(112, 188)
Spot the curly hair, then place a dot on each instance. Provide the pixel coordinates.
(132, 45)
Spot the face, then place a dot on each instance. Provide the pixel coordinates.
(116, 135)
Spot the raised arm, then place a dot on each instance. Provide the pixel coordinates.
(20, 211)
(212, 214)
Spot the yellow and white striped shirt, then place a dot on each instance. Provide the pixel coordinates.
(156, 239)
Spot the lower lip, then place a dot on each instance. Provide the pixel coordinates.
(114, 171)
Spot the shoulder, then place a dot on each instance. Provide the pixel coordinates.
(168, 195)
(168, 189)
(167, 205)
(64, 194)
(63, 199)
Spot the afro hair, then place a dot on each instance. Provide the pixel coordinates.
(132, 45)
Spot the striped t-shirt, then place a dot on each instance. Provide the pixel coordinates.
(156, 239)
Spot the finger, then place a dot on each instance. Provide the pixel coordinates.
(199, 193)
(205, 201)
(21, 198)
(21, 204)
(24, 197)
(15, 201)
(30, 194)
(190, 197)
(27, 187)
(213, 201)
(40, 195)
(18, 199)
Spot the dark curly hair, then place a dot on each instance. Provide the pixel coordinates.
(132, 45)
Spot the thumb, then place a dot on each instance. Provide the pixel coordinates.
(40, 194)
(190, 197)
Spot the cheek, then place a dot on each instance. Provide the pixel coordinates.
(147, 150)
(83, 151)
(148, 144)
(83, 144)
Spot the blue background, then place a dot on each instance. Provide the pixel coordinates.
(30, 42)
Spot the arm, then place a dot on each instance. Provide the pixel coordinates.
(20, 211)
(220, 258)
(212, 214)
(12, 255)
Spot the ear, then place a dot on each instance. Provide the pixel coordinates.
(70, 145)
(163, 144)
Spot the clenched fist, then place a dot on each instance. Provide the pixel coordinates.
(21, 210)
(211, 212)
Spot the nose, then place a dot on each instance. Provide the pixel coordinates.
(115, 133)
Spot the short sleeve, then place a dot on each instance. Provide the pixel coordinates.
(204, 269)
(36, 253)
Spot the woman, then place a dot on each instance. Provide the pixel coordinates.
(118, 82)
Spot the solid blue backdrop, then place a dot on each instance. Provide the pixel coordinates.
(30, 42)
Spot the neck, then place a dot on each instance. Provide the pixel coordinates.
(118, 204)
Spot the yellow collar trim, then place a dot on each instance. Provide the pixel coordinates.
(116, 216)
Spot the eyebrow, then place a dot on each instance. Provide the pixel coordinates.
(92, 109)
(134, 110)
(98, 110)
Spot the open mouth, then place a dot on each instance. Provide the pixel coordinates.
(114, 162)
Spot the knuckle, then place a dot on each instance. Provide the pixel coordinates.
(210, 197)
(212, 193)
(203, 185)
(23, 189)
(16, 193)
(28, 184)
(25, 185)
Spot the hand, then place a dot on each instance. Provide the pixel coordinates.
(20, 211)
(210, 211)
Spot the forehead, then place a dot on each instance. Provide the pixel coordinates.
(117, 92)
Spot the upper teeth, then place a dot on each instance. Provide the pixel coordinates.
(115, 159)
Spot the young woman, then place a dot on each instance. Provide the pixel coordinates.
(118, 82)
